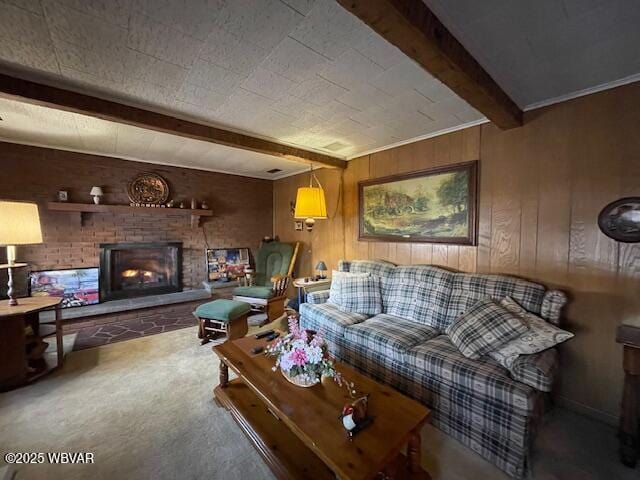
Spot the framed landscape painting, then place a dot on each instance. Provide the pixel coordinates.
(434, 206)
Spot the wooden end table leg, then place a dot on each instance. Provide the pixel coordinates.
(414, 453)
(224, 374)
(59, 345)
(629, 432)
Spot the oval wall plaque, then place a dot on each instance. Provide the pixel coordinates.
(620, 220)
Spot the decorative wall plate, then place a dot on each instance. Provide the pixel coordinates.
(148, 188)
(620, 220)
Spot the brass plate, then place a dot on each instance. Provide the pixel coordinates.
(148, 188)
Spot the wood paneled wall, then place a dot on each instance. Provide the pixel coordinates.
(541, 189)
(326, 241)
(457, 147)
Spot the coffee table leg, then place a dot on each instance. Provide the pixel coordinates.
(224, 374)
(413, 452)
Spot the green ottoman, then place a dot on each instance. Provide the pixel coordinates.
(222, 316)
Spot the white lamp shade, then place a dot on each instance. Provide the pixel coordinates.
(96, 191)
(19, 223)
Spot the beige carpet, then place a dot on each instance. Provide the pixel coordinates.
(144, 408)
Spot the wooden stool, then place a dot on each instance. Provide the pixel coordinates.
(222, 316)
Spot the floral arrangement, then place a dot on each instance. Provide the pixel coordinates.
(303, 357)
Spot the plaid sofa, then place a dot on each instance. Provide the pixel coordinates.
(488, 408)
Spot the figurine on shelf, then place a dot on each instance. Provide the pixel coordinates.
(204, 205)
(194, 204)
(171, 203)
(181, 204)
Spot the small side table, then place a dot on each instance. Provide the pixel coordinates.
(629, 432)
(14, 319)
(305, 287)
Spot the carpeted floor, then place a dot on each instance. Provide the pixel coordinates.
(144, 408)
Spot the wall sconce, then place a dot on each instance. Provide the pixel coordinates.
(310, 203)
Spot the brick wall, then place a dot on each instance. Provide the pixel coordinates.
(242, 208)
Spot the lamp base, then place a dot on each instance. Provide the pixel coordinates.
(13, 301)
(309, 223)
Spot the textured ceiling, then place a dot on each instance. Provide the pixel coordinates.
(545, 50)
(48, 127)
(302, 72)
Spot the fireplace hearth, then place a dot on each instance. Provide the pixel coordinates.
(130, 270)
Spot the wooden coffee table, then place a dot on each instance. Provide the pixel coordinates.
(298, 431)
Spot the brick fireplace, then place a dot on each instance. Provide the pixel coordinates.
(242, 215)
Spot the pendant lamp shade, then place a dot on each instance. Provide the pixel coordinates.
(310, 203)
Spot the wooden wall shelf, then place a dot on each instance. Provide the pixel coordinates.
(85, 208)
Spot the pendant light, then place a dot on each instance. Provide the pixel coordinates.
(310, 203)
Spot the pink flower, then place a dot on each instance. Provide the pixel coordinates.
(299, 357)
(294, 327)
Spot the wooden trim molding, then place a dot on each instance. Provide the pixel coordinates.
(415, 30)
(53, 97)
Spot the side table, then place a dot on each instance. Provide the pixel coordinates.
(629, 432)
(14, 319)
(305, 287)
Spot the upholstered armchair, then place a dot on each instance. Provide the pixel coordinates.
(274, 267)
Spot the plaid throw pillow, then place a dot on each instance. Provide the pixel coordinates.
(540, 335)
(336, 282)
(483, 328)
(360, 295)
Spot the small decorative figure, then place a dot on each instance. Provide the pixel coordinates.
(181, 204)
(204, 205)
(354, 415)
(96, 193)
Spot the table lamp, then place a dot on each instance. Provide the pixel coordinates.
(321, 267)
(19, 225)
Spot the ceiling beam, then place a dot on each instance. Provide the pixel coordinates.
(53, 97)
(415, 30)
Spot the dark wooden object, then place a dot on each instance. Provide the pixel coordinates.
(52, 97)
(85, 208)
(14, 358)
(415, 30)
(297, 430)
(236, 328)
(629, 432)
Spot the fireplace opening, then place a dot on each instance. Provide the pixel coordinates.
(130, 270)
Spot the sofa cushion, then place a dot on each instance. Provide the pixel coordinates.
(389, 335)
(552, 304)
(360, 295)
(440, 359)
(484, 328)
(318, 296)
(419, 293)
(328, 318)
(336, 282)
(540, 335)
(537, 370)
(467, 289)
